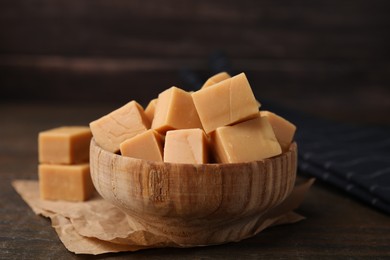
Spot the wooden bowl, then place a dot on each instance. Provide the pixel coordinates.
(198, 204)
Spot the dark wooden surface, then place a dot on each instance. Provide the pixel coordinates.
(336, 225)
(298, 53)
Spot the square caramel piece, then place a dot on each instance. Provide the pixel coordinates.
(64, 145)
(146, 146)
(175, 110)
(65, 182)
(252, 140)
(186, 146)
(227, 102)
(216, 79)
(150, 108)
(119, 125)
(283, 129)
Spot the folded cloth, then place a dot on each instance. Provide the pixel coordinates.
(353, 158)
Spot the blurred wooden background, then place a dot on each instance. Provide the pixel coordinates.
(329, 58)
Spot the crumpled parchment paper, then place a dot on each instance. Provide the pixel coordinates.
(97, 227)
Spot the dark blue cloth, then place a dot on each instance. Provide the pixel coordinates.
(353, 158)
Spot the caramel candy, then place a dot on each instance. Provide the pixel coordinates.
(225, 103)
(64, 145)
(186, 146)
(149, 110)
(252, 140)
(147, 146)
(175, 110)
(283, 129)
(216, 79)
(122, 124)
(65, 182)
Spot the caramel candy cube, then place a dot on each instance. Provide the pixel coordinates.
(147, 146)
(186, 146)
(283, 129)
(121, 124)
(64, 145)
(252, 140)
(149, 110)
(216, 79)
(175, 110)
(65, 182)
(225, 103)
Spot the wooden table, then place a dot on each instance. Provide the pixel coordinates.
(336, 225)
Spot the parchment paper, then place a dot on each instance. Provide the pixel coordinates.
(97, 227)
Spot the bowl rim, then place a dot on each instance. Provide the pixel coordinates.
(292, 148)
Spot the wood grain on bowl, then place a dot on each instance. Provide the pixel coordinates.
(194, 203)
